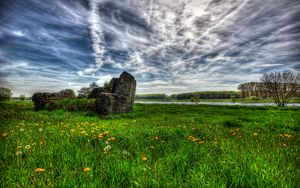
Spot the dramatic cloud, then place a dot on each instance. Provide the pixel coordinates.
(169, 45)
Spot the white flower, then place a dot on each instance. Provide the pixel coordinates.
(19, 153)
(254, 134)
(27, 147)
(124, 152)
(107, 148)
(106, 142)
(40, 129)
(22, 130)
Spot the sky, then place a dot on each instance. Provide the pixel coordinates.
(170, 46)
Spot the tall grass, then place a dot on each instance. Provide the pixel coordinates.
(155, 146)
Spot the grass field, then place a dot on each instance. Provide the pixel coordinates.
(155, 146)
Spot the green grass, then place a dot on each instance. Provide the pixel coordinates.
(194, 146)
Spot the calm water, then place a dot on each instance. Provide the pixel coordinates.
(217, 103)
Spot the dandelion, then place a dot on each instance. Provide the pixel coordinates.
(86, 169)
(5, 134)
(100, 136)
(22, 130)
(201, 142)
(39, 170)
(19, 153)
(83, 132)
(27, 147)
(144, 158)
(285, 145)
(72, 130)
(107, 148)
(106, 132)
(125, 152)
(151, 147)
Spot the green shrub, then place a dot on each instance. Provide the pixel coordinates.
(5, 93)
(22, 97)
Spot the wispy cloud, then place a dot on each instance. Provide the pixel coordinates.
(169, 45)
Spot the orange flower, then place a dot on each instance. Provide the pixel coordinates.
(109, 139)
(100, 137)
(86, 169)
(39, 170)
(106, 132)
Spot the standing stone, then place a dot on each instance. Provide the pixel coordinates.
(121, 98)
(126, 86)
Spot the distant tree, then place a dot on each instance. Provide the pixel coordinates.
(67, 93)
(5, 93)
(22, 97)
(281, 85)
(106, 85)
(85, 91)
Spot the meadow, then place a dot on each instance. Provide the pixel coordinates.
(155, 146)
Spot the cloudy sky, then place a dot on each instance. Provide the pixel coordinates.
(170, 46)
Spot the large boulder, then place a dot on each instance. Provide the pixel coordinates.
(121, 96)
(126, 86)
(112, 103)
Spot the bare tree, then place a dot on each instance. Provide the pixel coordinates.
(281, 85)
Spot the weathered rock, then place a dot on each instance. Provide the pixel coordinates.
(96, 92)
(41, 100)
(126, 86)
(121, 98)
(112, 103)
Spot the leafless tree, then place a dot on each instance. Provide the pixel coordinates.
(282, 85)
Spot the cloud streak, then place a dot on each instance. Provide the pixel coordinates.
(96, 34)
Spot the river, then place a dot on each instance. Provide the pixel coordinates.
(217, 103)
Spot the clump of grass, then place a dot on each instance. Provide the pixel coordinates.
(232, 123)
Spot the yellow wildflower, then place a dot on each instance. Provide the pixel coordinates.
(39, 170)
(144, 158)
(106, 132)
(151, 147)
(86, 169)
(5, 134)
(285, 145)
(201, 142)
(113, 138)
